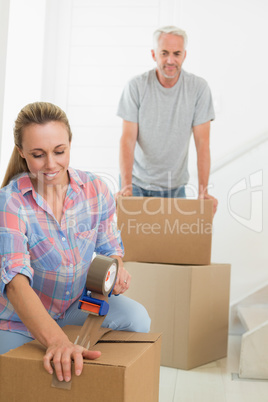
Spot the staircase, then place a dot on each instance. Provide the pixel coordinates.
(249, 318)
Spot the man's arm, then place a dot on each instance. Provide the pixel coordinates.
(201, 136)
(126, 155)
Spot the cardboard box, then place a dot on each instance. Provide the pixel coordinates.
(128, 370)
(165, 230)
(189, 305)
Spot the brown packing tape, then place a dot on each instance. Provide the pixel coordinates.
(55, 383)
(102, 274)
(90, 332)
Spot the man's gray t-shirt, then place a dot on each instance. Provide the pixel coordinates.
(165, 117)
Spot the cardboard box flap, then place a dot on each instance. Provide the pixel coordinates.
(121, 354)
(129, 337)
(115, 336)
(158, 205)
(72, 331)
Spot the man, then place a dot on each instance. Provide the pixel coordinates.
(160, 110)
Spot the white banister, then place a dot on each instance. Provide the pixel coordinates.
(237, 153)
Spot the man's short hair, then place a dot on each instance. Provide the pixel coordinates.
(170, 29)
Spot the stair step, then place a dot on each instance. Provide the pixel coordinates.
(256, 296)
(253, 316)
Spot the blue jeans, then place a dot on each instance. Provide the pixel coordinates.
(124, 314)
(170, 193)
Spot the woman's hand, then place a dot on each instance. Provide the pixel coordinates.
(61, 353)
(123, 278)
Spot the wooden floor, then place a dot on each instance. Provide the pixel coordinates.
(214, 382)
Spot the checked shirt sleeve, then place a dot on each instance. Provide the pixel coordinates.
(14, 256)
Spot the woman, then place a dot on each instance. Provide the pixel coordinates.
(52, 219)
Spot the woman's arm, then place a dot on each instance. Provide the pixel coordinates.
(36, 318)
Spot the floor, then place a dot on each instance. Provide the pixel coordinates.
(214, 382)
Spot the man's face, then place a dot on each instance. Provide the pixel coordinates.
(169, 56)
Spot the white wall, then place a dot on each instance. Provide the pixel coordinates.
(227, 47)
(4, 18)
(92, 47)
(109, 42)
(23, 66)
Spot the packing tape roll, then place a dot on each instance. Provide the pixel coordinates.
(102, 274)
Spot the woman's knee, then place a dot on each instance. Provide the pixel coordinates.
(127, 315)
(136, 317)
(140, 320)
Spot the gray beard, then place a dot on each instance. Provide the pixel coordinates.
(170, 76)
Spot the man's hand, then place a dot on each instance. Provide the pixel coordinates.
(125, 192)
(207, 196)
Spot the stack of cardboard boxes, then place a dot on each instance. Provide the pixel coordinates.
(168, 251)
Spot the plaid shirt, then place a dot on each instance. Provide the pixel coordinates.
(54, 256)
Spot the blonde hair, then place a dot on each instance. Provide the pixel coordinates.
(33, 113)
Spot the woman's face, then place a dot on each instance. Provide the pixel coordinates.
(46, 149)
